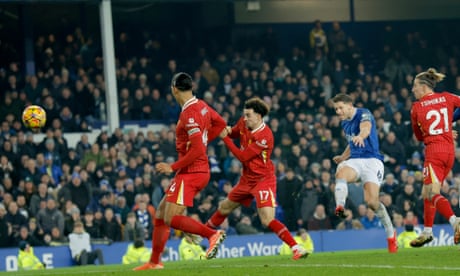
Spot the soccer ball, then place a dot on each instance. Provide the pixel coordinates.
(34, 117)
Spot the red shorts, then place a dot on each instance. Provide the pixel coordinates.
(263, 191)
(184, 187)
(436, 169)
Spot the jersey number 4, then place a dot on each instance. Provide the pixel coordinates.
(436, 126)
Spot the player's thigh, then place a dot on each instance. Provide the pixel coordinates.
(160, 212)
(241, 193)
(348, 170)
(171, 210)
(226, 206)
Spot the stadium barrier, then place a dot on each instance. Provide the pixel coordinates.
(234, 246)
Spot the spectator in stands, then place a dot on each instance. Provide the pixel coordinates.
(80, 192)
(80, 247)
(245, 227)
(91, 226)
(319, 220)
(50, 217)
(5, 228)
(70, 218)
(54, 171)
(83, 146)
(393, 150)
(370, 220)
(144, 217)
(41, 195)
(308, 199)
(349, 222)
(318, 39)
(122, 208)
(22, 205)
(95, 154)
(56, 238)
(14, 218)
(133, 230)
(288, 191)
(110, 226)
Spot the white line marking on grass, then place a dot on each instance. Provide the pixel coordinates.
(455, 268)
(51, 271)
(435, 268)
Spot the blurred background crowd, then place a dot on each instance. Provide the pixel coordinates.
(110, 183)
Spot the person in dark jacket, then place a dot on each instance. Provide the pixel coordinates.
(110, 226)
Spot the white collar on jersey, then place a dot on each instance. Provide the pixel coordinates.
(189, 102)
(262, 125)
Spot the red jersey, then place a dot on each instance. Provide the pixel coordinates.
(431, 118)
(198, 124)
(256, 147)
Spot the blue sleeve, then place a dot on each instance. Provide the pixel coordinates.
(456, 115)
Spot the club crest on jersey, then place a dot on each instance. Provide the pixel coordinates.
(191, 123)
(262, 143)
(204, 111)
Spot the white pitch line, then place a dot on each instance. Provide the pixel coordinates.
(438, 268)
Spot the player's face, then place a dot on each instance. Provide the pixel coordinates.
(252, 119)
(418, 89)
(343, 110)
(174, 93)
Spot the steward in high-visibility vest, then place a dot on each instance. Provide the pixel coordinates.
(26, 258)
(136, 253)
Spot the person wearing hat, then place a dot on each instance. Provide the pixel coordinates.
(80, 247)
(27, 259)
(303, 238)
(136, 253)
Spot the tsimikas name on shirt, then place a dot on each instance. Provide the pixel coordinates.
(434, 101)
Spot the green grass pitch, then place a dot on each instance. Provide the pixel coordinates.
(414, 261)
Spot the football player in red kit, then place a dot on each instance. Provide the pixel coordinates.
(431, 118)
(258, 180)
(198, 124)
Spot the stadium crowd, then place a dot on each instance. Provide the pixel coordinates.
(110, 183)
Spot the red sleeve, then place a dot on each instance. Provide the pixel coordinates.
(248, 153)
(217, 125)
(415, 127)
(236, 129)
(196, 149)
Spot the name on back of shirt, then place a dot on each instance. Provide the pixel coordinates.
(434, 101)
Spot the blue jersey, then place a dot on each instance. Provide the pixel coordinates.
(456, 115)
(371, 143)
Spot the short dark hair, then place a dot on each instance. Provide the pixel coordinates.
(182, 81)
(342, 97)
(258, 105)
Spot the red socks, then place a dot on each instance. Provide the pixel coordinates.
(442, 206)
(216, 220)
(280, 229)
(159, 238)
(191, 226)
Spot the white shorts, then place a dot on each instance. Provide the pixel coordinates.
(367, 169)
